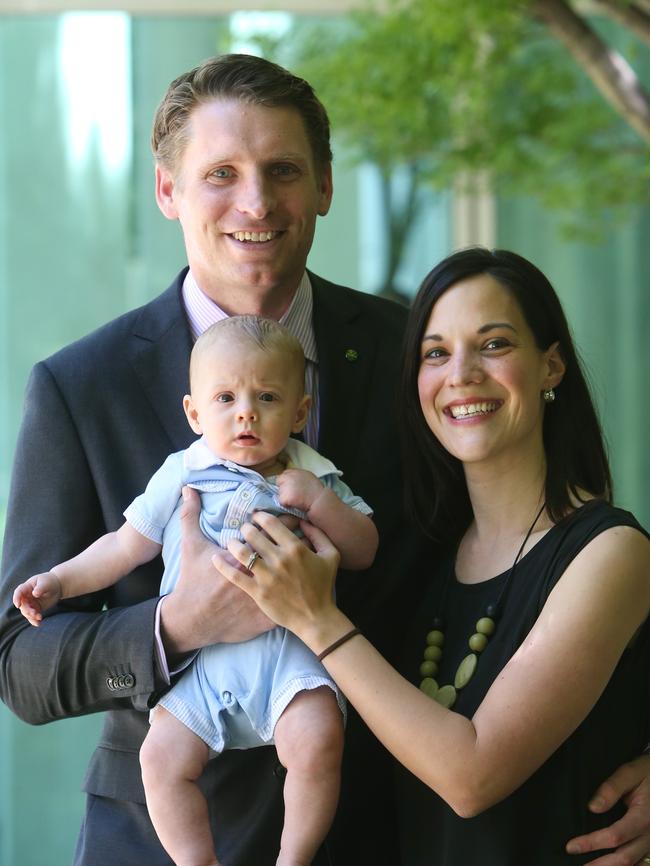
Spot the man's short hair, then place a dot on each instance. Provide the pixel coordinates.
(265, 334)
(249, 79)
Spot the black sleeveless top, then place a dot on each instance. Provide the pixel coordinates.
(533, 824)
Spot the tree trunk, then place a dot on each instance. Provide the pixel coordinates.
(630, 15)
(608, 70)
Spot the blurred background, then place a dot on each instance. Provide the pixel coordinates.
(516, 124)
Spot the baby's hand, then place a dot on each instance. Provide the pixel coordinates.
(37, 595)
(298, 488)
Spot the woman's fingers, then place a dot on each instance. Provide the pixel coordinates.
(319, 541)
(236, 576)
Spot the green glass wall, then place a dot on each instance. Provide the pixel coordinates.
(81, 241)
(604, 289)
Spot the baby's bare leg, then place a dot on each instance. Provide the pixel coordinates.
(172, 758)
(309, 740)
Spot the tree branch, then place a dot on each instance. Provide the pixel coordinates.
(644, 6)
(608, 70)
(631, 15)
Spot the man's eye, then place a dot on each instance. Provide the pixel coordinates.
(284, 169)
(222, 173)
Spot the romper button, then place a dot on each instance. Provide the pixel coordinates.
(233, 523)
(246, 494)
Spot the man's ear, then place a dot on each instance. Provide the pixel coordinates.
(555, 367)
(192, 415)
(302, 414)
(326, 190)
(165, 186)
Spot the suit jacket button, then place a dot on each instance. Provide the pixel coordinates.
(129, 681)
(120, 682)
(110, 683)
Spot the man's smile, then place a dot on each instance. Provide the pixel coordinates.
(255, 237)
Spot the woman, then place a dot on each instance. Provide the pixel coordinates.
(529, 663)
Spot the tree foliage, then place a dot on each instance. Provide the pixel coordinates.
(455, 90)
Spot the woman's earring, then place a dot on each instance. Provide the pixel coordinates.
(548, 395)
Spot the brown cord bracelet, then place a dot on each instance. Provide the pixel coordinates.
(337, 643)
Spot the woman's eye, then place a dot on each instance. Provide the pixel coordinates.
(221, 173)
(434, 354)
(496, 343)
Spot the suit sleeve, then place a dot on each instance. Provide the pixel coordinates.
(82, 659)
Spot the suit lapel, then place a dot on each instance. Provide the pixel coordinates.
(346, 356)
(160, 349)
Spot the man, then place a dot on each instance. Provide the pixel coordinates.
(243, 162)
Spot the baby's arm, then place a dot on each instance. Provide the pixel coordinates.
(102, 564)
(353, 533)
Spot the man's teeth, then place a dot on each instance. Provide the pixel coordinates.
(468, 409)
(256, 237)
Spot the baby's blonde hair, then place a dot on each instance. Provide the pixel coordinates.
(265, 334)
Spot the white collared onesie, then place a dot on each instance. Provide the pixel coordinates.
(232, 695)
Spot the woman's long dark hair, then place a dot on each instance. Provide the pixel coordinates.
(436, 492)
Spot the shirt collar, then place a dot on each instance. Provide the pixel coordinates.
(298, 319)
(199, 457)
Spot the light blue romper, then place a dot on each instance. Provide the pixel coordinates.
(232, 695)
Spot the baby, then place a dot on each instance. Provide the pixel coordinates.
(247, 397)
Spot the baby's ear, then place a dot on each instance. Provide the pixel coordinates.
(302, 414)
(191, 414)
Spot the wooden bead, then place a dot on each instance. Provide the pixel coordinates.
(486, 625)
(465, 671)
(433, 653)
(446, 696)
(478, 642)
(429, 686)
(435, 638)
(428, 669)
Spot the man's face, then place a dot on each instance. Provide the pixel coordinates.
(247, 192)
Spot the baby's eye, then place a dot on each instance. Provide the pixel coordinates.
(224, 398)
(266, 397)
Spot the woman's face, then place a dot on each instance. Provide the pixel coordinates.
(481, 374)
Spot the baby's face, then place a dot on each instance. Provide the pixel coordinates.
(246, 402)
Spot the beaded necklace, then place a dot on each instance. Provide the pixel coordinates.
(485, 628)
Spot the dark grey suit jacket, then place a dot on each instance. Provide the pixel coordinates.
(100, 417)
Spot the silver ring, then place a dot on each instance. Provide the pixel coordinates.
(251, 562)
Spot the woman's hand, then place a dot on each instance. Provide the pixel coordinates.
(290, 583)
